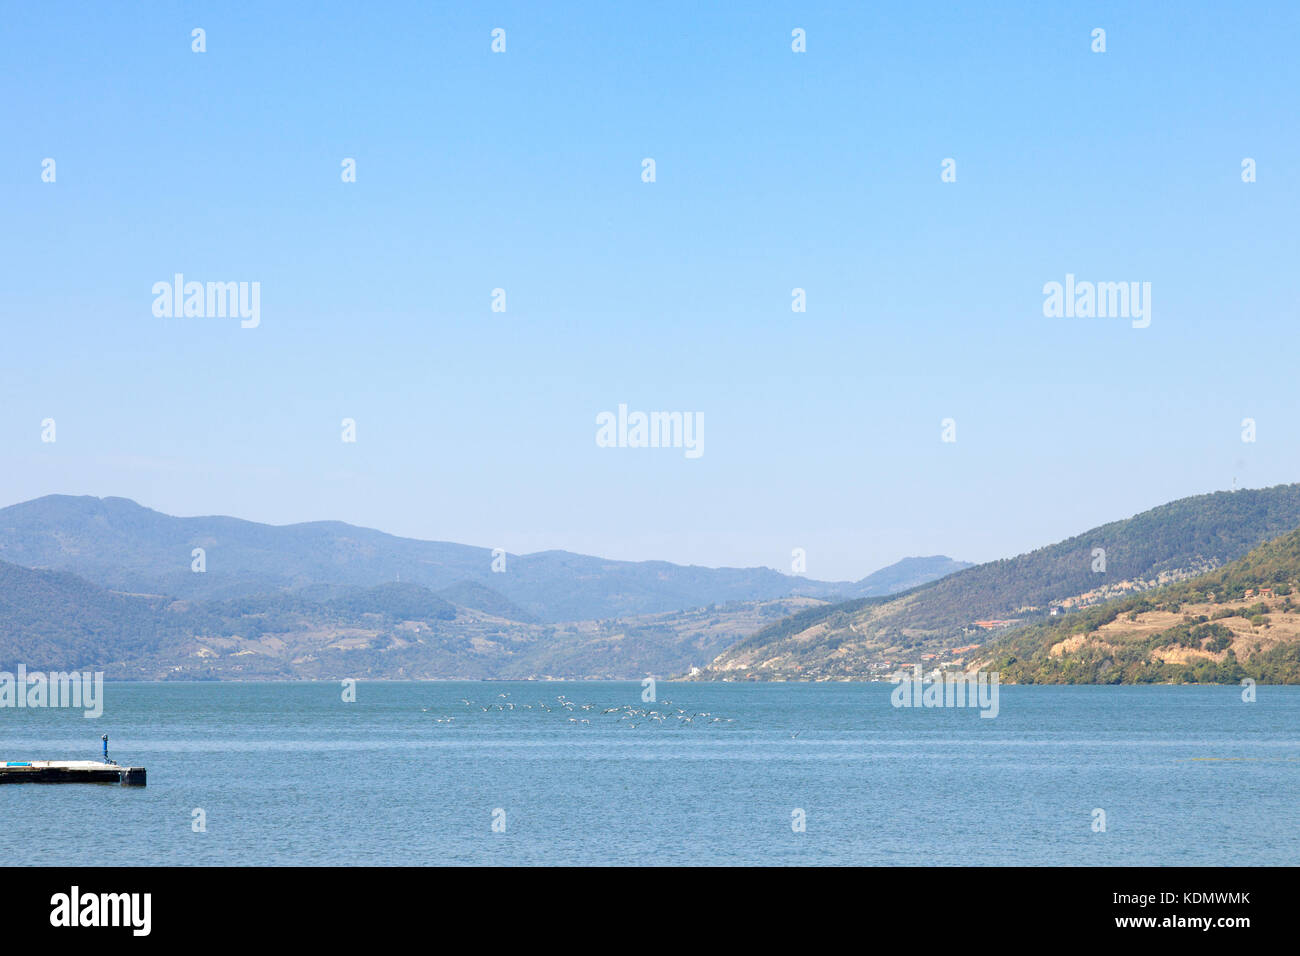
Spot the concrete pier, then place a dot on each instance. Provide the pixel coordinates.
(70, 771)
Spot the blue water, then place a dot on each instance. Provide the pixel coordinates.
(287, 773)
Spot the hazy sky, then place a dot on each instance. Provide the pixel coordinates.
(774, 170)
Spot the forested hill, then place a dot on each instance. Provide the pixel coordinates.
(1241, 620)
(1179, 539)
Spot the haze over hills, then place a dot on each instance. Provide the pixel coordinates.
(120, 545)
(109, 586)
(943, 620)
(330, 617)
(53, 620)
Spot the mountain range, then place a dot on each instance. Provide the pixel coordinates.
(120, 545)
(108, 583)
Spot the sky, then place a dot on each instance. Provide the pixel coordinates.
(774, 170)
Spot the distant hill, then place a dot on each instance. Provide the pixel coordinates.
(1239, 621)
(901, 576)
(399, 601)
(858, 638)
(110, 587)
(55, 620)
(478, 597)
(120, 545)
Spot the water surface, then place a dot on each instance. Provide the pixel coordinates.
(288, 773)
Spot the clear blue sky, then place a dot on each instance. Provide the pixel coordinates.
(774, 170)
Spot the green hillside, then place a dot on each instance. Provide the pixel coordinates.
(1179, 539)
(51, 620)
(1219, 627)
(477, 597)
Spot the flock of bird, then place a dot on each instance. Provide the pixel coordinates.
(660, 712)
